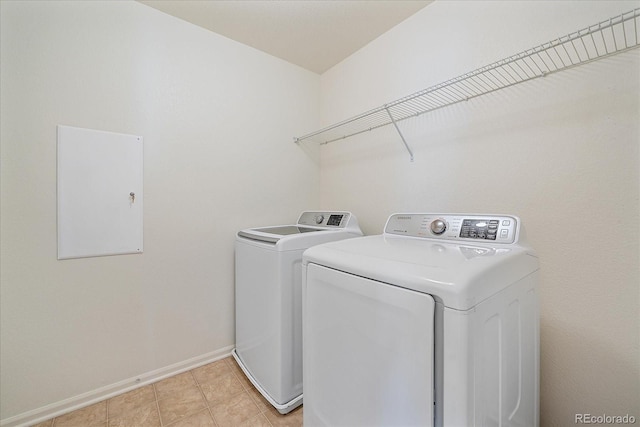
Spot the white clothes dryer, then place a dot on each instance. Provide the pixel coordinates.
(433, 323)
(269, 300)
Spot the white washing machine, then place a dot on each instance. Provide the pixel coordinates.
(269, 300)
(433, 323)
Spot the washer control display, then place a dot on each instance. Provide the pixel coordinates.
(325, 219)
(335, 220)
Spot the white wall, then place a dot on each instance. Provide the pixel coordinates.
(560, 152)
(217, 119)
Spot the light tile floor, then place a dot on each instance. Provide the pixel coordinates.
(217, 394)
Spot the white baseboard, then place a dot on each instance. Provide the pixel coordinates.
(89, 398)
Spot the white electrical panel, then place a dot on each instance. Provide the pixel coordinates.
(100, 195)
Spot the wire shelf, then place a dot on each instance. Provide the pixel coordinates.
(610, 37)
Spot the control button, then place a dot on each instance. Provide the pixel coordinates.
(319, 219)
(506, 222)
(438, 227)
(504, 234)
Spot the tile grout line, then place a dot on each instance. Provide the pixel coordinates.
(162, 424)
(155, 393)
(244, 390)
(215, 423)
(249, 388)
(206, 402)
(230, 362)
(107, 401)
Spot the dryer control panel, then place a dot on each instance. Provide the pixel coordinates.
(456, 227)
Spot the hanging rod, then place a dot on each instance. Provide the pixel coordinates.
(615, 35)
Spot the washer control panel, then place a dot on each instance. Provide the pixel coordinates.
(457, 227)
(325, 219)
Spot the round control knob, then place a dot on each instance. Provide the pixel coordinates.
(438, 227)
(319, 219)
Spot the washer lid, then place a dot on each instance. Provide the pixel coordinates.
(305, 233)
(273, 234)
(459, 274)
(285, 230)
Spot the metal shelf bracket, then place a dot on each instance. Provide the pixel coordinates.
(404, 141)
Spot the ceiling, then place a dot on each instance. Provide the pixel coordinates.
(314, 34)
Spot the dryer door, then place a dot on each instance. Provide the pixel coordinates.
(368, 352)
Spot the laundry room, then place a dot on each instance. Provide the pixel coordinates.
(224, 127)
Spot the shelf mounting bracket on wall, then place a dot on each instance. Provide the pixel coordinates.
(610, 37)
(404, 141)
